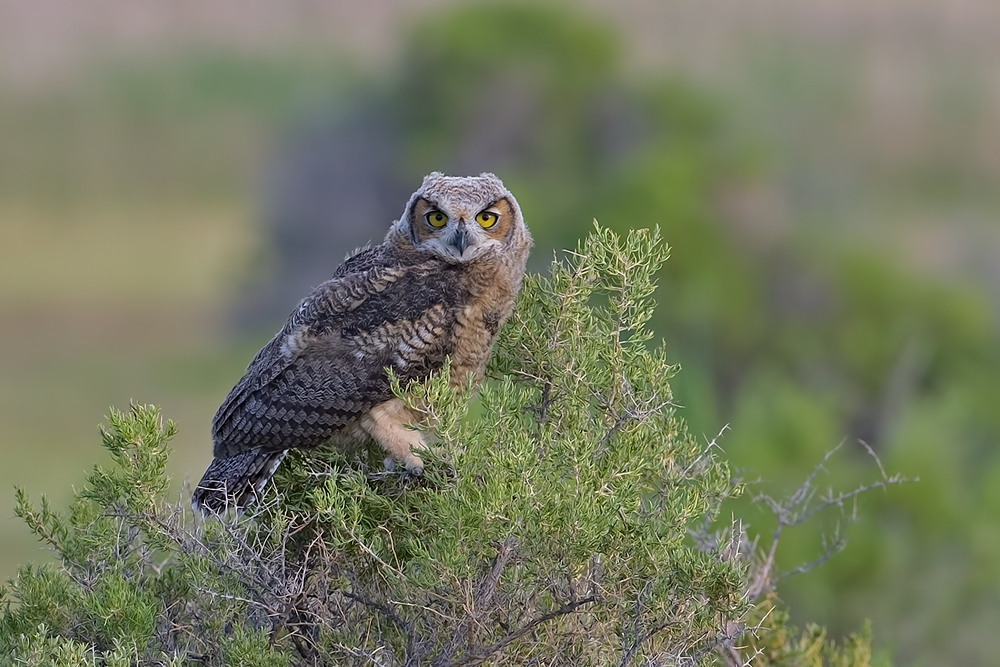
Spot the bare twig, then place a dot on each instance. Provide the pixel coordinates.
(481, 602)
(801, 506)
(484, 655)
(633, 648)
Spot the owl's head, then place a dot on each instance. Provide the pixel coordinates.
(463, 218)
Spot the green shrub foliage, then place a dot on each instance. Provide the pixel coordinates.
(775, 642)
(552, 525)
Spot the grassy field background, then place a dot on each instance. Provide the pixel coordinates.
(97, 311)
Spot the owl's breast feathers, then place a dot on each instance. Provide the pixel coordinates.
(326, 368)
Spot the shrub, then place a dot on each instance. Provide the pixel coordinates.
(551, 527)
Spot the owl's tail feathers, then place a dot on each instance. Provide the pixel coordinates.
(234, 483)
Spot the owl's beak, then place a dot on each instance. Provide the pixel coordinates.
(460, 240)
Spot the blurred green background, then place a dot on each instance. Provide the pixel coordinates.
(174, 176)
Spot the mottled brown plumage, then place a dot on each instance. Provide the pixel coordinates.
(441, 285)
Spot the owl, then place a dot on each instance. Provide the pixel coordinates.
(439, 287)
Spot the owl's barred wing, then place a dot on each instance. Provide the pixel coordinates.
(319, 311)
(327, 365)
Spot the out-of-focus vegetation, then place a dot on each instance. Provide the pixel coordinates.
(795, 299)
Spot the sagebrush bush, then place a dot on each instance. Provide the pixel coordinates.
(552, 526)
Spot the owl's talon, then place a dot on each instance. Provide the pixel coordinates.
(389, 463)
(414, 464)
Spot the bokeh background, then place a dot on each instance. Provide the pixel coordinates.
(174, 176)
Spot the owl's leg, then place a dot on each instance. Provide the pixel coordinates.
(386, 423)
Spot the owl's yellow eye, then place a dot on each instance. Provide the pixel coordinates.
(487, 219)
(436, 219)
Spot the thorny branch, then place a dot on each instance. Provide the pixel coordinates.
(385, 610)
(484, 655)
(483, 599)
(804, 504)
(798, 508)
(642, 638)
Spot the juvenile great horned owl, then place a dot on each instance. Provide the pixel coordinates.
(440, 285)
